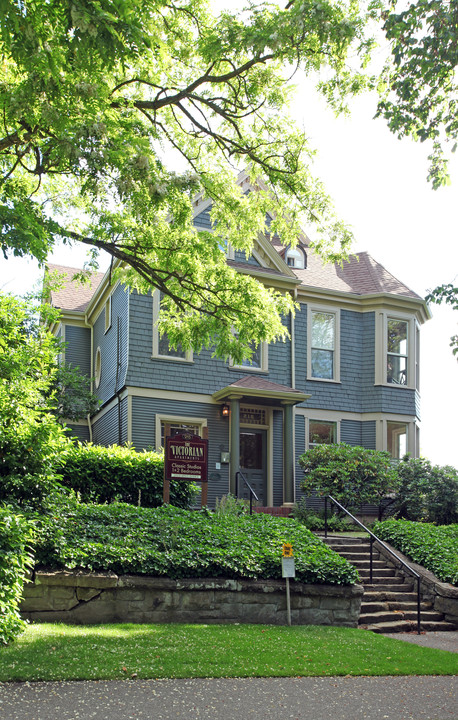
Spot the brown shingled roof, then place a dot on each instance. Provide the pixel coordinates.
(255, 382)
(73, 294)
(361, 275)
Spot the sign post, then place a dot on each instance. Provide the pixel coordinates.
(186, 458)
(287, 571)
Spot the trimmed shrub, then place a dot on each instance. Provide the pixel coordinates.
(15, 559)
(434, 547)
(353, 475)
(427, 492)
(177, 543)
(105, 474)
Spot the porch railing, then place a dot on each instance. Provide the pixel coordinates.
(239, 474)
(373, 538)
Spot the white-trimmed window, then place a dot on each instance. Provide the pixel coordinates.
(323, 361)
(161, 345)
(177, 424)
(259, 360)
(397, 350)
(108, 314)
(295, 258)
(396, 438)
(397, 339)
(321, 432)
(98, 367)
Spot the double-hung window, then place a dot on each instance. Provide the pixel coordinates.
(258, 360)
(161, 345)
(323, 334)
(397, 352)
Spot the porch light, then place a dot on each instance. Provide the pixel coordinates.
(225, 411)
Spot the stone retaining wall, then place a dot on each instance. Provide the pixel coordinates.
(79, 598)
(442, 596)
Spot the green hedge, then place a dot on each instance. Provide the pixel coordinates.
(15, 559)
(104, 474)
(181, 543)
(434, 547)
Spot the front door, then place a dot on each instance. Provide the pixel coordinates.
(253, 462)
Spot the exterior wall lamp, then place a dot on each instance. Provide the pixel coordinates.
(225, 410)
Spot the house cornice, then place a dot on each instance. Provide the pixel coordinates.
(365, 303)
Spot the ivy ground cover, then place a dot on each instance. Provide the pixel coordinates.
(433, 546)
(176, 543)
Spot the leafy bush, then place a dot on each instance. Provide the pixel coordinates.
(434, 547)
(427, 492)
(352, 474)
(30, 436)
(104, 474)
(231, 505)
(181, 543)
(15, 559)
(314, 520)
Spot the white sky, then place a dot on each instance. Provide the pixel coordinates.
(379, 187)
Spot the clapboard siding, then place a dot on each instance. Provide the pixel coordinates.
(144, 411)
(78, 348)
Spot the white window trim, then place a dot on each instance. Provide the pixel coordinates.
(295, 254)
(156, 355)
(173, 420)
(320, 416)
(248, 368)
(412, 427)
(108, 313)
(329, 311)
(381, 349)
(98, 367)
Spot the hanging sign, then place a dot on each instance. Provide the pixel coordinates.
(186, 458)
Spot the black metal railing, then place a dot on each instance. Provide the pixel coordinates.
(373, 538)
(240, 474)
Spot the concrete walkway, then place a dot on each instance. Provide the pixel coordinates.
(360, 698)
(437, 640)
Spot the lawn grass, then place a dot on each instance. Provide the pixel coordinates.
(103, 652)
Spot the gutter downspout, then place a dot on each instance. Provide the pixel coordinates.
(89, 424)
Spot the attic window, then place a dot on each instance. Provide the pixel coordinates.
(295, 258)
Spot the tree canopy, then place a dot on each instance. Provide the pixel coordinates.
(115, 118)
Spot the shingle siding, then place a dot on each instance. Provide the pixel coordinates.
(205, 375)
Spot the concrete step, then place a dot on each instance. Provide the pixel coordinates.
(397, 615)
(389, 603)
(378, 572)
(358, 558)
(388, 596)
(409, 626)
(381, 606)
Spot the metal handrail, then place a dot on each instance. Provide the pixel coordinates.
(377, 539)
(252, 492)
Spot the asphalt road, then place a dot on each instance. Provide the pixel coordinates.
(373, 698)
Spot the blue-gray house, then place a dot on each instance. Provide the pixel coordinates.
(350, 372)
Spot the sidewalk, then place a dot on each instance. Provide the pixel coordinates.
(437, 640)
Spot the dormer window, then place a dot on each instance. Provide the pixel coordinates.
(295, 258)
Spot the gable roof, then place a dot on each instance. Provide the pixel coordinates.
(73, 294)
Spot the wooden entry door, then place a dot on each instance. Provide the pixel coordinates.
(253, 462)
